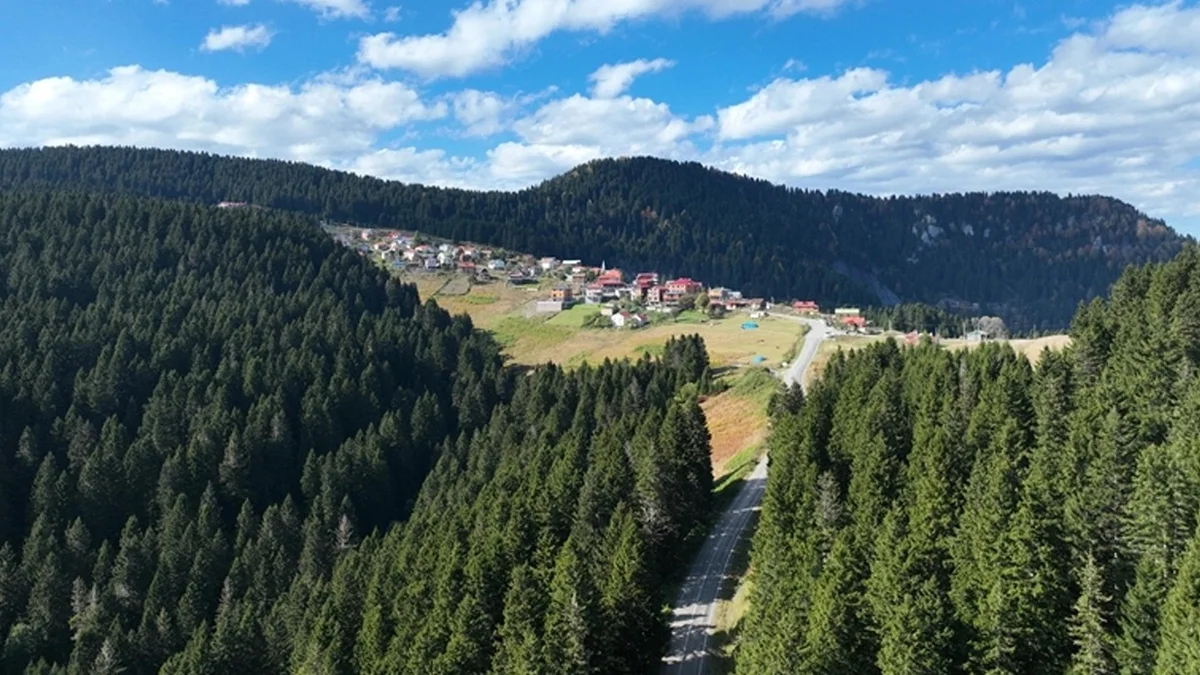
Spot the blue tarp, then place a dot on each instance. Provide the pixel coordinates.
(749, 325)
(758, 359)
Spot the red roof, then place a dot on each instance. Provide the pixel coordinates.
(854, 321)
(804, 304)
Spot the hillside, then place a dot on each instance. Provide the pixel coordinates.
(229, 445)
(942, 511)
(1029, 257)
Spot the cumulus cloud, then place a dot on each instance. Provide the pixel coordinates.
(481, 113)
(611, 80)
(233, 3)
(322, 121)
(237, 38)
(336, 9)
(1110, 111)
(483, 36)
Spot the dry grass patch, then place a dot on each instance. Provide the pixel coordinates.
(489, 304)
(1031, 348)
(726, 341)
(833, 345)
(737, 420)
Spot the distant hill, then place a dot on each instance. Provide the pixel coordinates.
(1029, 257)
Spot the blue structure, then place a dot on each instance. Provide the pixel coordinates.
(758, 359)
(749, 325)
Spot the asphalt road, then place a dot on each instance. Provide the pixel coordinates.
(692, 621)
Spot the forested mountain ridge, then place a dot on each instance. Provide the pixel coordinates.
(1029, 257)
(213, 423)
(940, 512)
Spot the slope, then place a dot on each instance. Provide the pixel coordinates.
(1030, 257)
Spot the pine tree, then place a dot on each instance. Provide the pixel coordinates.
(1093, 643)
(569, 647)
(1179, 650)
(836, 641)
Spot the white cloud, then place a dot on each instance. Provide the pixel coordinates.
(391, 14)
(481, 113)
(233, 3)
(485, 35)
(237, 38)
(320, 121)
(1111, 111)
(611, 80)
(337, 9)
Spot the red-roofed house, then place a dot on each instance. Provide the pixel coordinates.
(806, 307)
(685, 286)
(859, 322)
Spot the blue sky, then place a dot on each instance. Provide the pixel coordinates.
(875, 96)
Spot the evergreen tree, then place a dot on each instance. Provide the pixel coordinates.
(1089, 630)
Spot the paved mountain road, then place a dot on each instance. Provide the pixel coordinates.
(692, 620)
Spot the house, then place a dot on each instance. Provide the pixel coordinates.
(718, 295)
(548, 264)
(978, 336)
(846, 311)
(855, 321)
(755, 303)
(578, 277)
(550, 306)
(571, 264)
(685, 286)
(466, 267)
(432, 264)
(467, 253)
(496, 264)
(654, 295)
(593, 294)
(522, 275)
(806, 307)
(627, 320)
(562, 293)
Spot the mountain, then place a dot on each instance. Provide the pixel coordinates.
(1030, 257)
(932, 511)
(229, 445)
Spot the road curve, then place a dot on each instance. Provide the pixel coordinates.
(692, 620)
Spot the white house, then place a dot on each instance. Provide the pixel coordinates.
(627, 319)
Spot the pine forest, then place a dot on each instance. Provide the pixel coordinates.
(933, 511)
(229, 446)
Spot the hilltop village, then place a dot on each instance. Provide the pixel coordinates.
(627, 300)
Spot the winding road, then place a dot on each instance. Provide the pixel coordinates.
(692, 621)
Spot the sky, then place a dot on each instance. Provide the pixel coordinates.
(875, 96)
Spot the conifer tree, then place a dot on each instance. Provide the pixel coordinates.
(1179, 649)
(1089, 630)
